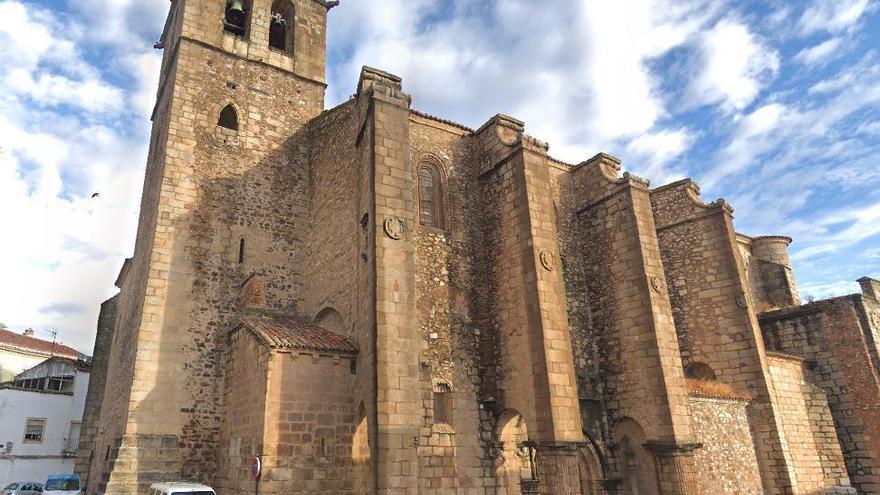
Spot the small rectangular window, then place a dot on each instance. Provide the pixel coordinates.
(34, 429)
(443, 404)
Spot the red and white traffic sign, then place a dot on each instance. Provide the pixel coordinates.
(255, 468)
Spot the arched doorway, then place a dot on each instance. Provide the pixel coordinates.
(590, 472)
(514, 463)
(636, 462)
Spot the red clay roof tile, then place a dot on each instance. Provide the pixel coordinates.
(17, 341)
(288, 332)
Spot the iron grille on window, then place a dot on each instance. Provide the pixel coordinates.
(33, 430)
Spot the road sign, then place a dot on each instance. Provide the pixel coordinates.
(255, 468)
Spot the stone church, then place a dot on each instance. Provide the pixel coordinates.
(372, 300)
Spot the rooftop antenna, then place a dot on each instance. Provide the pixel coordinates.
(54, 335)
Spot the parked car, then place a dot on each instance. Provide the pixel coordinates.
(62, 484)
(23, 488)
(180, 488)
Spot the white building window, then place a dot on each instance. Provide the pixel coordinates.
(73, 437)
(33, 430)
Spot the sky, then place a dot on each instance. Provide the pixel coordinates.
(772, 105)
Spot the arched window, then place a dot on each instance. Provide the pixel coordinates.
(699, 371)
(228, 118)
(241, 251)
(281, 25)
(443, 403)
(430, 197)
(330, 319)
(236, 16)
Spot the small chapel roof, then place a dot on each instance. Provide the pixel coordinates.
(281, 331)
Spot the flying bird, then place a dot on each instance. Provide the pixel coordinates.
(95, 195)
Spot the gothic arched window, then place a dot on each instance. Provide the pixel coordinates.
(281, 26)
(228, 118)
(237, 14)
(430, 197)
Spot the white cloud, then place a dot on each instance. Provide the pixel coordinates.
(66, 132)
(576, 72)
(147, 66)
(832, 15)
(778, 136)
(843, 229)
(91, 95)
(824, 290)
(654, 150)
(813, 54)
(871, 128)
(735, 66)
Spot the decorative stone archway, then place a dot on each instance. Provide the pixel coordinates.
(515, 463)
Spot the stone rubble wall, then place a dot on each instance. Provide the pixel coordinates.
(632, 319)
(453, 457)
(726, 464)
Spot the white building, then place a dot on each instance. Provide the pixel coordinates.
(40, 416)
(22, 351)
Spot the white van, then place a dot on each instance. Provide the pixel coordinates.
(180, 488)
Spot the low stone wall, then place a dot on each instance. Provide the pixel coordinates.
(726, 464)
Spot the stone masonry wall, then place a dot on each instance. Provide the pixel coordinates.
(95, 395)
(726, 464)
(870, 318)
(217, 187)
(452, 457)
(334, 236)
(617, 273)
(770, 255)
(338, 267)
(203, 23)
(133, 284)
(220, 188)
(830, 335)
(246, 366)
(716, 326)
(310, 420)
(398, 338)
(790, 387)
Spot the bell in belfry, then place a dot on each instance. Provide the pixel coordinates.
(235, 16)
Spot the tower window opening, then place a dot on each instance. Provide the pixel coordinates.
(228, 118)
(430, 197)
(241, 251)
(281, 26)
(235, 20)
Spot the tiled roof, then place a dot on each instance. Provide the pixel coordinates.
(288, 332)
(19, 342)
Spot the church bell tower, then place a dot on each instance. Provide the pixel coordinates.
(224, 194)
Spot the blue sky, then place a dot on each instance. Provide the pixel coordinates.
(773, 105)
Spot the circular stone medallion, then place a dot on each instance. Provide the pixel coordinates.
(548, 261)
(656, 283)
(394, 227)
